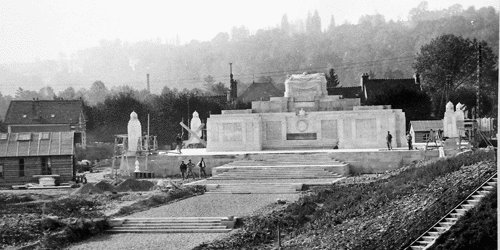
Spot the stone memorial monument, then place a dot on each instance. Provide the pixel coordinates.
(134, 133)
(306, 117)
(453, 120)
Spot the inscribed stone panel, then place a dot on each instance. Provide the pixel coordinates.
(250, 132)
(329, 129)
(273, 130)
(366, 128)
(232, 132)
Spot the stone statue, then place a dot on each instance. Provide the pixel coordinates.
(134, 133)
(194, 125)
(450, 107)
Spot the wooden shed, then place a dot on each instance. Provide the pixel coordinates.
(420, 130)
(23, 155)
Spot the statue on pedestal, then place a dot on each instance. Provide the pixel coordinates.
(134, 133)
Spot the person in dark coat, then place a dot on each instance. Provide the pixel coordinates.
(183, 169)
(388, 138)
(409, 140)
(202, 167)
(178, 140)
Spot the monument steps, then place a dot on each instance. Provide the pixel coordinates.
(172, 225)
(276, 167)
(260, 188)
(428, 238)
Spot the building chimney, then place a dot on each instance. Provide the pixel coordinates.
(147, 81)
(233, 87)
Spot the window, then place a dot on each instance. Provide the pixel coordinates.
(3, 136)
(24, 136)
(45, 135)
(21, 167)
(1, 172)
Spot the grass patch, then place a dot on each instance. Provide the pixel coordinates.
(325, 210)
(477, 229)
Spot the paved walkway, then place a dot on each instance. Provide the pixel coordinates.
(206, 205)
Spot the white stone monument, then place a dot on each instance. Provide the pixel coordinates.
(194, 125)
(306, 117)
(134, 132)
(450, 121)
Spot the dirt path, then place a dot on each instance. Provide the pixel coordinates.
(198, 206)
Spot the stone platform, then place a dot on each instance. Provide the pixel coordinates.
(362, 161)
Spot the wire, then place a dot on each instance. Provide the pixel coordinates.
(346, 66)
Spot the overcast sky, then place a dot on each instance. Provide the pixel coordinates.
(40, 29)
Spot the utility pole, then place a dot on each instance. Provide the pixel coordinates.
(233, 85)
(147, 82)
(448, 87)
(479, 66)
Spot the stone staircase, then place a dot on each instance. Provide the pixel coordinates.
(254, 188)
(273, 167)
(429, 237)
(271, 172)
(172, 225)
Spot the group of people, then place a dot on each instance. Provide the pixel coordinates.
(409, 140)
(187, 169)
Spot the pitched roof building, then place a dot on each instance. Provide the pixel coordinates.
(260, 92)
(371, 88)
(25, 155)
(47, 116)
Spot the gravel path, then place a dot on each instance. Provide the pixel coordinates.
(209, 205)
(145, 241)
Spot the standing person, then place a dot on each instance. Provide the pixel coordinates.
(389, 140)
(178, 140)
(409, 140)
(190, 167)
(202, 167)
(183, 168)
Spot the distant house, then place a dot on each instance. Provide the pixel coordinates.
(47, 116)
(347, 92)
(23, 155)
(260, 92)
(420, 130)
(373, 87)
(370, 88)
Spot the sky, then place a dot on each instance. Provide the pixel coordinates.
(33, 30)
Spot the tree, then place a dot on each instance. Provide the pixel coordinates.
(285, 25)
(453, 57)
(97, 93)
(332, 81)
(67, 94)
(218, 89)
(313, 23)
(331, 26)
(46, 93)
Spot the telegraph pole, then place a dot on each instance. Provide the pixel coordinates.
(147, 82)
(448, 87)
(479, 66)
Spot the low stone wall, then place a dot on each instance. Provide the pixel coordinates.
(381, 161)
(361, 162)
(168, 165)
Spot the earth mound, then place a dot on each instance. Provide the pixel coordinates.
(87, 189)
(134, 185)
(105, 186)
